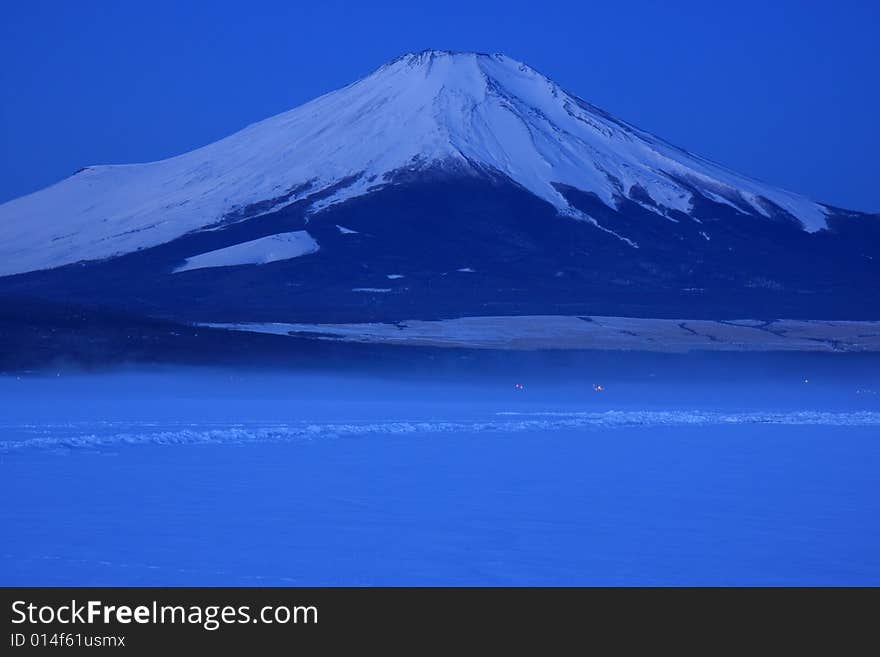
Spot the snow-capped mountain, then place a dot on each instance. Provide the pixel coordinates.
(438, 172)
(463, 112)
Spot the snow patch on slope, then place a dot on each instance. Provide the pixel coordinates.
(282, 246)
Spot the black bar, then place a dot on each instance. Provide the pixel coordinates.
(328, 619)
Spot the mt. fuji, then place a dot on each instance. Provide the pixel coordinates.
(442, 185)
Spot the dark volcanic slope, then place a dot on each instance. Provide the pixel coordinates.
(525, 259)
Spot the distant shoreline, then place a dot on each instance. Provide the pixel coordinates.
(561, 332)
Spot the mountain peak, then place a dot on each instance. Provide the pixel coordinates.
(445, 62)
(422, 57)
(468, 71)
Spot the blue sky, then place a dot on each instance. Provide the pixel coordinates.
(785, 91)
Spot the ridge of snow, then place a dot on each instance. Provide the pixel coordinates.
(461, 111)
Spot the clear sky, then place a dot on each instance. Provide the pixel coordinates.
(787, 91)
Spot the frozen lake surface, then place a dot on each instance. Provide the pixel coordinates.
(182, 478)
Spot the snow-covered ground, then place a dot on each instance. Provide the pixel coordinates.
(213, 478)
(282, 246)
(462, 112)
(616, 333)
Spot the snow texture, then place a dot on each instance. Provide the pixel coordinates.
(612, 333)
(282, 246)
